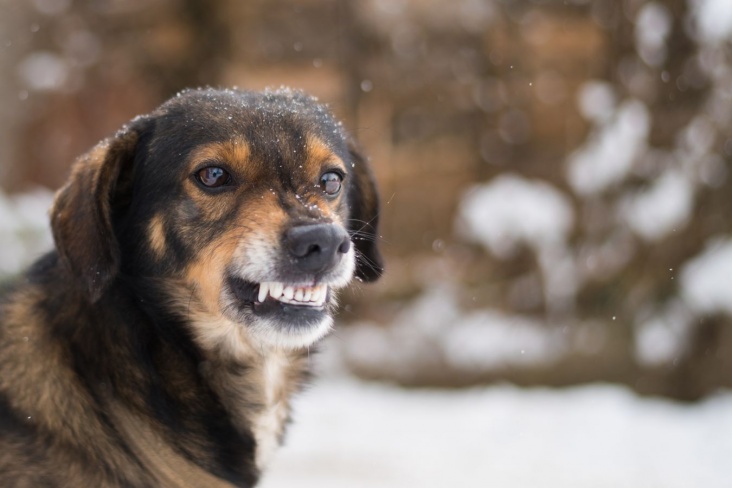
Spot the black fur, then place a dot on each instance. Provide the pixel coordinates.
(91, 329)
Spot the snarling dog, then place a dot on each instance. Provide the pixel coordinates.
(198, 254)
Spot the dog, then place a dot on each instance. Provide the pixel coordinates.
(198, 253)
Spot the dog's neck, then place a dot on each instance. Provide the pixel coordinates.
(249, 384)
(254, 382)
(256, 389)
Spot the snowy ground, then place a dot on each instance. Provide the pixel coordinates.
(358, 435)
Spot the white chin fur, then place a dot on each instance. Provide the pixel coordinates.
(273, 334)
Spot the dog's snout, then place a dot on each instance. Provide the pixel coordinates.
(317, 247)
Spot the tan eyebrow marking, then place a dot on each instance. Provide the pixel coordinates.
(235, 152)
(318, 152)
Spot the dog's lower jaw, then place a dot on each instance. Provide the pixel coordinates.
(272, 334)
(287, 328)
(235, 334)
(278, 320)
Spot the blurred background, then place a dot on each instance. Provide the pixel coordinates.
(556, 203)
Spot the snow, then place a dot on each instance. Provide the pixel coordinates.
(608, 155)
(662, 338)
(706, 283)
(696, 140)
(714, 19)
(43, 70)
(357, 435)
(512, 210)
(652, 27)
(596, 100)
(24, 229)
(434, 332)
(490, 340)
(662, 208)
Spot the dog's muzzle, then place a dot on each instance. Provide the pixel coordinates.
(292, 299)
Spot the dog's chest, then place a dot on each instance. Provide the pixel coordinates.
(259, 399)
(268, 424)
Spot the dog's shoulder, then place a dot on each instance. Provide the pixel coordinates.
(49, 421)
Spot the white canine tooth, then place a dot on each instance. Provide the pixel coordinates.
(263, 291)
(308, 295)
(275, 290)
(289, 292)
(299, 295)
(315, 296)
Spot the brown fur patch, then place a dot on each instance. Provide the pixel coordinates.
(235, 151)
(49, 395)
(319, 154)
(205, 275)
(156, 235)
(168, 467)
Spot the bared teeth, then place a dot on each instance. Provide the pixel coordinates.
(299, 295)
(317, 295)
(263, 291)
(275, 290)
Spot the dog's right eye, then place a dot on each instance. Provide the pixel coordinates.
(213, 177)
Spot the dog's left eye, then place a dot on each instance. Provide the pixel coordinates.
(213, 177)
(331, 182)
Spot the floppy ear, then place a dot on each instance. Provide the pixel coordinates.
(363, 202)
(81, 216)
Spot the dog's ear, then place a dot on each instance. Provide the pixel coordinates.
(81, 216)
(363, 224)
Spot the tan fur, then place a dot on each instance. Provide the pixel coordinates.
(318, 154)
(49, 394)
(205, 276)
(169, 468)
(139, 353)
(235, 151)
(46, 399)
(156, 234)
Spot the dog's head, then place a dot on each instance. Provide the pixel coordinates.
(250, 209)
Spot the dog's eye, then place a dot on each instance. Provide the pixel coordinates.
(331, 183)
(213, 176)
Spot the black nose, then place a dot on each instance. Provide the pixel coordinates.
(317, 247)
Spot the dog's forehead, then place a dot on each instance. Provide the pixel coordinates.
(265, 120)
